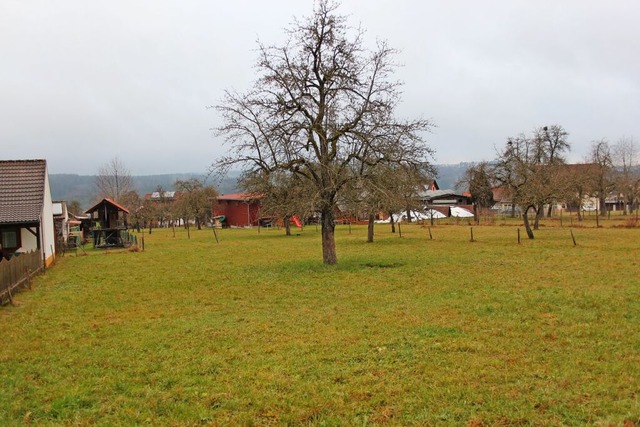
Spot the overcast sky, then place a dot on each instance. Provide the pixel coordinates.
(84, 81)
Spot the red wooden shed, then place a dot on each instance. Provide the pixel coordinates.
(239, 209)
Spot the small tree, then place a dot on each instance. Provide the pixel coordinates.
(478, 181)
(283, 195)
(114, 180)
(321, 104)
(134, 203)
(196, 200)
(603, 181)
(530, 169)
(626, 172)
(74, 207)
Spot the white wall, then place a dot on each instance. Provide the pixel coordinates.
(46, 224)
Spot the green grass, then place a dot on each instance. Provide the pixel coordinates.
(404, 331)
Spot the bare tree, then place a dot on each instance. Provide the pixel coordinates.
(626, 172)
(530, 169)
(283, 194)
(321, 104)
(603, 182)
(114, 180)
(195, 201)
(478, 181)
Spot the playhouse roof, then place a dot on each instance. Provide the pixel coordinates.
(108, 202)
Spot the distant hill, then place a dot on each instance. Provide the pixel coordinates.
(448, 175)
(82, 188)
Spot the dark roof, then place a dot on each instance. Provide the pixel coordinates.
(109, 202)
(21, 190)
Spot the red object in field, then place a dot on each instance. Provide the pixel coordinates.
(296, 221)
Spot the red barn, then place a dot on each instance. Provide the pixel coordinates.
(239, 209)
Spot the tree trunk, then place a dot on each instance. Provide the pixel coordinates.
(539, 213)
(328, 237)
(370, 228)
(286, 221)
(550, 210)
(408, 215)
(527, 226)
(393, 224)
(603, 206)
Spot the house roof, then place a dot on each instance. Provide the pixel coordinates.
(433, 194)
(166, 195)
(109, 202)
(240, 196)
(22, 190)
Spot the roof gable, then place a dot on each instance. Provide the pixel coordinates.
(107, 202)
(22, 190)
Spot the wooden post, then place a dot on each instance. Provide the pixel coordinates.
(143, 243)
(215, 233)
(518, 236)
(174, 229)
(472, 234)
(349, 226)
(573, 238)
(10, 296)
(430, 235)
(560, 217)
(399, 230)
(597, 219)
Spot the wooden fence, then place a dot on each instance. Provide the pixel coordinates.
(17, 272)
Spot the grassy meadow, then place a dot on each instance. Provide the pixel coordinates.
(403, 331)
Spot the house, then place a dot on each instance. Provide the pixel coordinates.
(432, 198)
(109, 224)
(239, 209)
(26, 216)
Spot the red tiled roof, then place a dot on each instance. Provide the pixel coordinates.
(109, 201)
(21, 190)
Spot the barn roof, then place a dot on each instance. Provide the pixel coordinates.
(240, 196)
(21, 190)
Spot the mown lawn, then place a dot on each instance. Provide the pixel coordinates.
(404, 331)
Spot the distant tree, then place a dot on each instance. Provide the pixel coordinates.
(195, 201)
(626, 172)
(530, 170)
(321, 103)
(580, 183)
(283, 195)
(74, 207)
(114, 180)
(478, 181)
(134, 204)
(603, 180)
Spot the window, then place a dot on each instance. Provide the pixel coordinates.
(9, 239)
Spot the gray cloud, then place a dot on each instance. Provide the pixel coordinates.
(82, 82)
